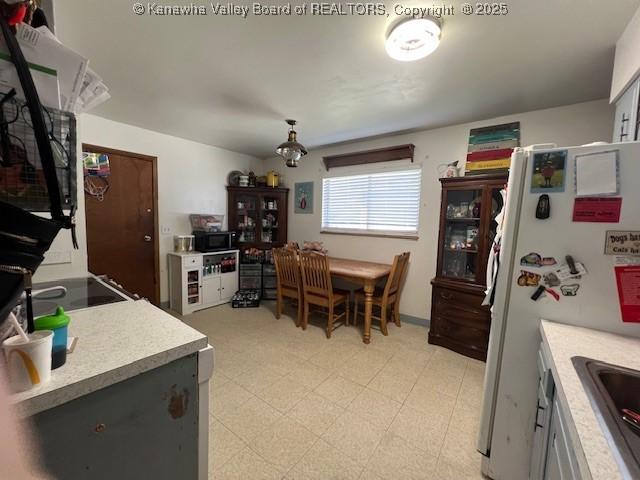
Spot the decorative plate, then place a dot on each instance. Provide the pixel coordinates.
(234, 178)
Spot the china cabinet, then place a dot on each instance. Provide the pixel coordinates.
(467, 228)
(258, 215)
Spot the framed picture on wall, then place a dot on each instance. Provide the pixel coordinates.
(303, 197)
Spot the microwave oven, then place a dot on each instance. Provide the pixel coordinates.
(215, 241)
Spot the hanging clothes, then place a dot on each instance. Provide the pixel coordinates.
(493, 264)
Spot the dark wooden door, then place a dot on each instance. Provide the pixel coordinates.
(122, 240)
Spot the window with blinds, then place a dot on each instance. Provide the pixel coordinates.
(379, 203)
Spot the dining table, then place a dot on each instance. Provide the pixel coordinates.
(360, 272)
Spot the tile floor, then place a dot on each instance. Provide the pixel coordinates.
(291, 404)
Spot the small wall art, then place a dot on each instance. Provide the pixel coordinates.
(303, 197)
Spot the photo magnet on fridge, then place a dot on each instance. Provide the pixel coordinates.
(549, 171)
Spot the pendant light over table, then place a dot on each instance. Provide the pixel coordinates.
(291, 150)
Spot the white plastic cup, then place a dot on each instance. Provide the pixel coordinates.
(28, 363)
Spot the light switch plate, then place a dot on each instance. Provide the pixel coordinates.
(165, 230)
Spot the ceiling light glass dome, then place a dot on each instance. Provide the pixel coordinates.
(413, 38)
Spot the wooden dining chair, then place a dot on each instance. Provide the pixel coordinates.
(396, 304)
(288, 278)
(389, 296)
(318, 290)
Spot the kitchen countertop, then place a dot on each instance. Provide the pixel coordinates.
(115, 342)
(562, 342)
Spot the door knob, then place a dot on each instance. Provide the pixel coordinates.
(147, 238)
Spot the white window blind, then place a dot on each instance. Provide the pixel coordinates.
(387, 202)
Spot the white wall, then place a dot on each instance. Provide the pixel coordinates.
(565, 126)
(191, 179)
(627, 60)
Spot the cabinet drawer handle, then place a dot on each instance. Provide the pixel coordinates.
(537, 424)
(446, 296)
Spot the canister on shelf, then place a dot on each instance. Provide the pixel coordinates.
(273, 178)
(183, 243)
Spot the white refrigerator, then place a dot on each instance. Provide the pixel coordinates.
(510, 385)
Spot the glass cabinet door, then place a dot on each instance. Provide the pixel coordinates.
(461, 252)
(247, 218)
(193, 287)
(270, 230)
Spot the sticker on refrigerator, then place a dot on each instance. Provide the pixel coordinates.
(597, 209)
(534, 259)
(565, 271)
(628, 283)
(570, 290)
(552, 293)
(549, 171)
(551, 279)
(626, 260)
(528, 279)
(622, 242)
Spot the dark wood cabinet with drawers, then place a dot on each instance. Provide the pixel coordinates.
(258, 215)
(467, 228)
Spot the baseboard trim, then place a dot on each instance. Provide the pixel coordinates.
(423, 322)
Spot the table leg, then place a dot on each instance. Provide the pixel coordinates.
(369, 288)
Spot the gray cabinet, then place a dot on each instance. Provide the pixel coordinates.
(542, 419)
(552, 456)
(560, 463)
(143, 427)
(625, 127)
(540, 435)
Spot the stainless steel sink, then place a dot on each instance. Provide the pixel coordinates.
(611, 390)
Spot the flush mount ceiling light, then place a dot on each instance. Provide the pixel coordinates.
(413, 38)
(291, 150)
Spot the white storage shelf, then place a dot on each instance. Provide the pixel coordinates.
(192, 287)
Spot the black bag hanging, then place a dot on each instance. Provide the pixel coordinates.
(25, 237)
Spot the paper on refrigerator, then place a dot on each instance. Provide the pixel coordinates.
(41, 50)
(44, 78)
(93, 103)
(93, 90)
(93, 93)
